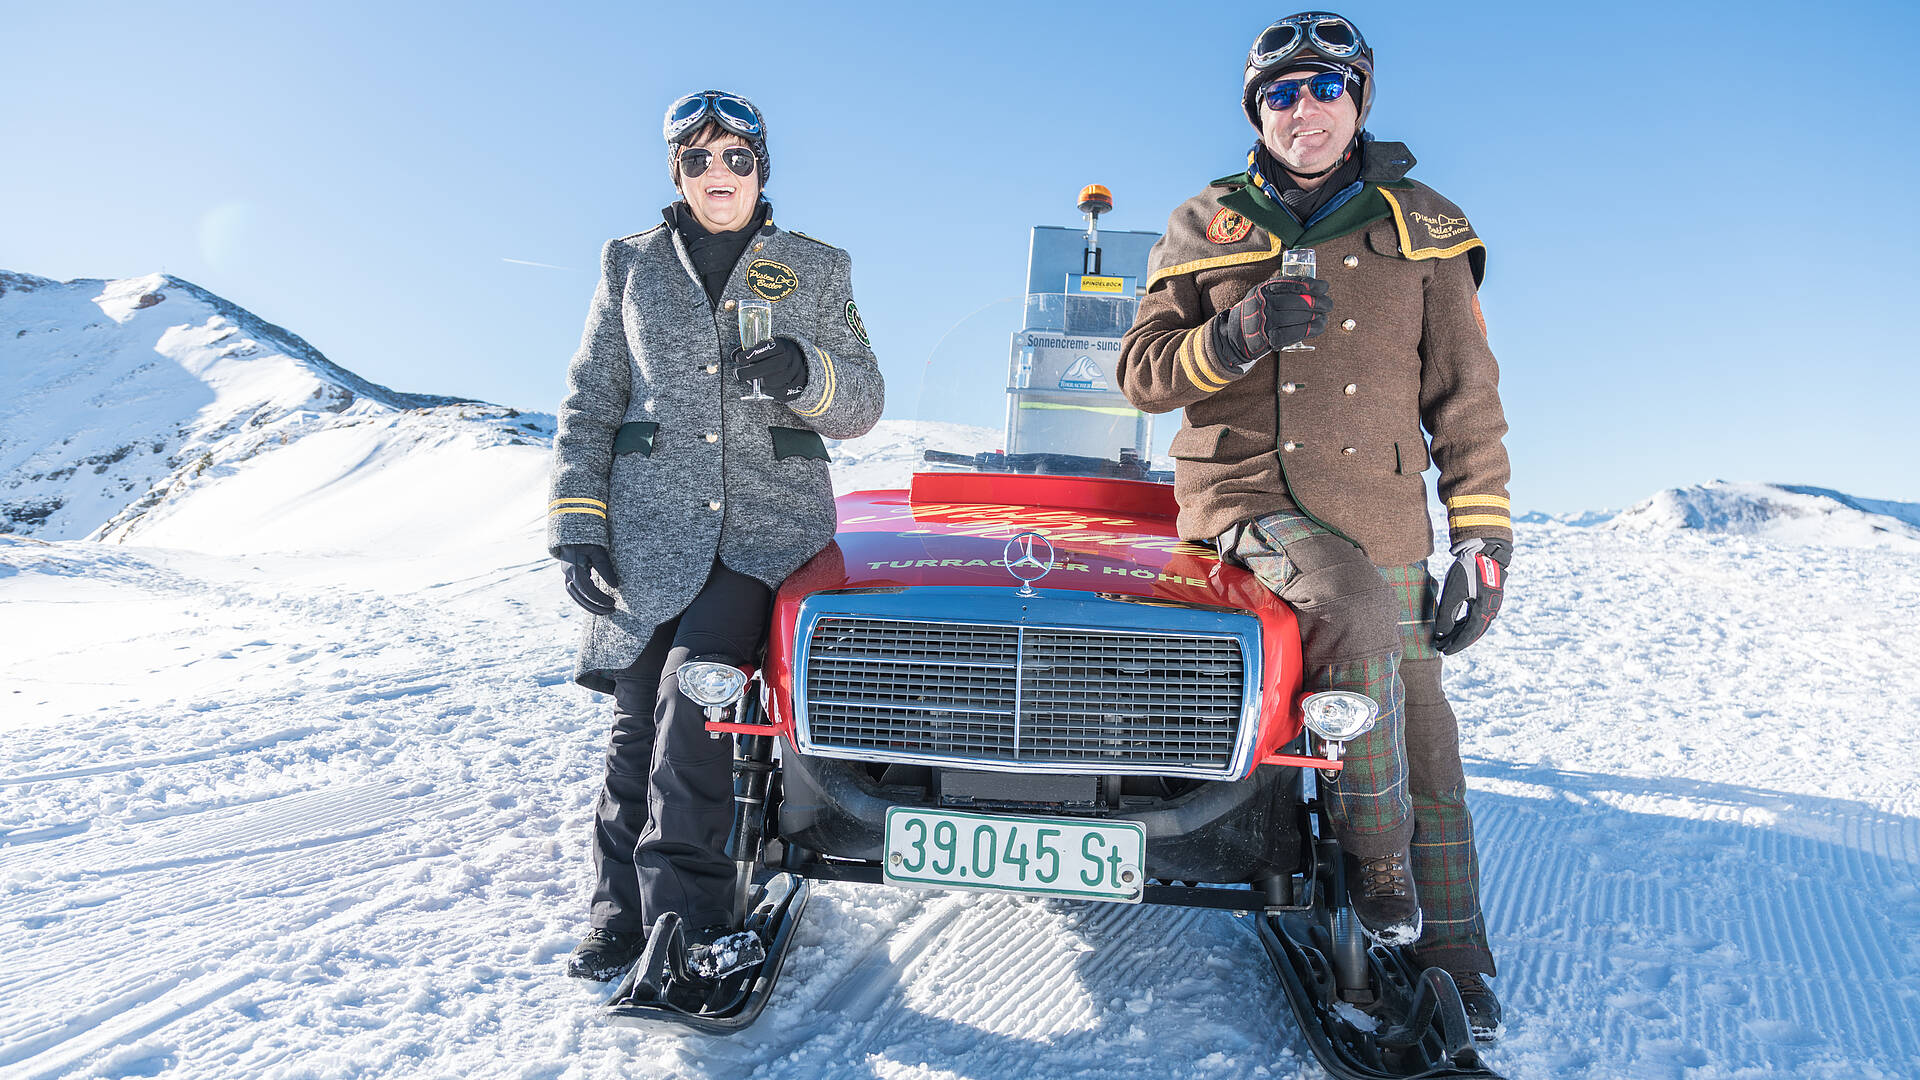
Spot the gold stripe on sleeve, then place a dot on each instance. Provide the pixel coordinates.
(1497, 501)
(583, 502)
(826, 398)
(1195, 375)
(601, 514)
(1468, 521)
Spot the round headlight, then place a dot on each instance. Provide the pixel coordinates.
(711, 684)
(1339, 715)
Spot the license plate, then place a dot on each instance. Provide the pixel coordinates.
(997, 852)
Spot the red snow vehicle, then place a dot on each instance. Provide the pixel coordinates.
(1014, 675)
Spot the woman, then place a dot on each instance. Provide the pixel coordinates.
(692, 504)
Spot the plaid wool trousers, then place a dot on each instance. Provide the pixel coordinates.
(1403, 780)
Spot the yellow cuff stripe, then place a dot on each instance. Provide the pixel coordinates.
(601, 514)
(826, 399)
(579, 502)
(1193, 369)
(1198, 265)
(1498, 501)
(1406, 241)
(1467, 521)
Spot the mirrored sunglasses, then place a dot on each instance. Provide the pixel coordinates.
(694, 160)
(1325, 87)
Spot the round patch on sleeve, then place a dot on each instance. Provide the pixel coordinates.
(854, 324)
(1228, 227)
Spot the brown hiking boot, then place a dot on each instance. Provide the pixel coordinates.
(1483, 1008)
(1382, 895)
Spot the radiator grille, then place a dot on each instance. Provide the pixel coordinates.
(1007, 694)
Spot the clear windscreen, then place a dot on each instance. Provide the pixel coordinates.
(1029, 385)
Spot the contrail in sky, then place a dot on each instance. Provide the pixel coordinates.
(529, 262)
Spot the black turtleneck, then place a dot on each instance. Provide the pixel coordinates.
(714, 254)
(1300, 202)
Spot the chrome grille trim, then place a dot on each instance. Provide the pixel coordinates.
(958, 698)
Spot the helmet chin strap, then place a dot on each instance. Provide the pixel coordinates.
(1341, 160)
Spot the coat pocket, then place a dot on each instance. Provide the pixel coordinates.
(635, 438)
(798, 442)
(1410, 458)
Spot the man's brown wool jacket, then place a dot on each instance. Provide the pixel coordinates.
(1338, 429)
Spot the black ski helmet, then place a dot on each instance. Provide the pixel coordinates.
(691, 113)
(1310, 40)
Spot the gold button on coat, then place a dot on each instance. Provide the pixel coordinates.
(1288, 388)
(1289, 446)
(731, 304)
(1348, 450)
(711, 437)
(1348, 325)
(1352, 389)
(1351, 261)
(713, 504)
(713, 369)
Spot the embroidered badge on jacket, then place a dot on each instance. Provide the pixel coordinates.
(1228, 227)
(771, 280)
(858, 327)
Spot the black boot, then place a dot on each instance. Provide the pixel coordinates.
(603, 954)
(1483, 1009)
(1381, 891)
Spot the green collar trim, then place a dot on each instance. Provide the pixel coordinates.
(1358, 212)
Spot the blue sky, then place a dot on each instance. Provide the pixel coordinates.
(1698, 263)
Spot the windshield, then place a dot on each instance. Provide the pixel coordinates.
(1028, 385)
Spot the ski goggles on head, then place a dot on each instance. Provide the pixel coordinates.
(695, 159)
(1328, 86)
(734, 113)
(1317, 32)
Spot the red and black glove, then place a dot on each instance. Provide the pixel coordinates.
(582, 562)
(1277, 312)
(1471, 597)
(779, 365)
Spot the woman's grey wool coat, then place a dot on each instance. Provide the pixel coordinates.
(658, 460)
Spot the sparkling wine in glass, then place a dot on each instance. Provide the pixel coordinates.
(1297, 263)
(756, 326)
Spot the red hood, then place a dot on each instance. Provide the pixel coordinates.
(1113, 536)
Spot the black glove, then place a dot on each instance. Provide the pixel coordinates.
(582, 562)
(779, 365)
(1471, 597)
(1279, 311)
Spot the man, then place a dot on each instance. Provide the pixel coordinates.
(691, 502)
(1305, 465)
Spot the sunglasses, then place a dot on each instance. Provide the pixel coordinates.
(1327, 86)
(736, 114)
(1328, 35)
(694, 160)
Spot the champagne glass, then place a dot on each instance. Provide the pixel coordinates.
(756, 326)
(1297, 263)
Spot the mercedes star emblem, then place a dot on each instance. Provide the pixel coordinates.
(1025, 562)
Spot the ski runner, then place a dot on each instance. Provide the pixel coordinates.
(1305, 466)
(691, 504)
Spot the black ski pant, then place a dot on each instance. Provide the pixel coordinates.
(660, 828)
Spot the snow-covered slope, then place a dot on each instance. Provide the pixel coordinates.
(117, 398)
(1781, 512)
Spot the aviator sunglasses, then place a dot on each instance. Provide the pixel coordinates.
(1325, 87)
(739, 159)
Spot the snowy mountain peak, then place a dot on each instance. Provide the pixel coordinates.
(1779, 512)
(118, 395)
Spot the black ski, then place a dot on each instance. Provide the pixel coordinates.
(660, 987)
(1419, 1025)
